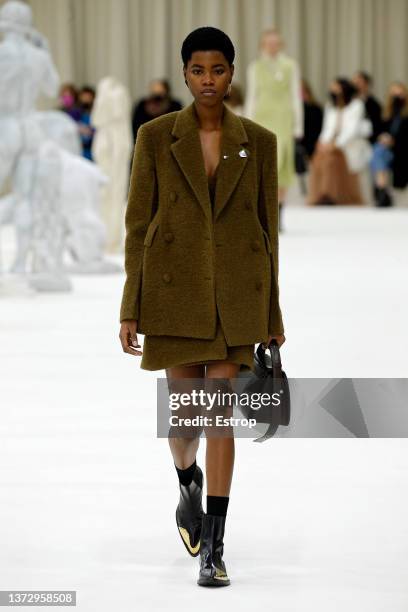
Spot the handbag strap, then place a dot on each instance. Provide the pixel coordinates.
(275, 358)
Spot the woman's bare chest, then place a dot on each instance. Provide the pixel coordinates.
(211, 149)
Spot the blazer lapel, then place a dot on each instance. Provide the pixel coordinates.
(189, 156)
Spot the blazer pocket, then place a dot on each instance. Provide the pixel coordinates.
(267, 241)
(151, 230)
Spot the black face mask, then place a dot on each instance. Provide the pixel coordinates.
(398, 103)
(333, 97)
(157, 98)
(86, 105)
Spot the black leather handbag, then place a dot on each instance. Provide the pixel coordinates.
(268, 377)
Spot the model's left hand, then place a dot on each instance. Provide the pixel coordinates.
(279, 339)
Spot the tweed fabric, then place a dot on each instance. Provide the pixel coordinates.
(161, 352)
(187, 261)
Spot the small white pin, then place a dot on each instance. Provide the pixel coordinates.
(225, 156)
(243, 153)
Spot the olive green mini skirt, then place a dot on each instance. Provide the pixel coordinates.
(161, 352)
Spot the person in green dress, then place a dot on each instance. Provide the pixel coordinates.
(274, 100)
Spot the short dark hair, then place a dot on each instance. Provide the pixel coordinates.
(87, 89)
(207, 39)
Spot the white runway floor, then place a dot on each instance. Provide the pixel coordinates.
(88, 493)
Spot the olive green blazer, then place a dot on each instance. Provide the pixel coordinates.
(184, 259)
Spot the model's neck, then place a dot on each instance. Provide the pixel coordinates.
(209, 117)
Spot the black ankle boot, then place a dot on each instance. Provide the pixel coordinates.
(189, 513)
(383, 197)
(212, 567)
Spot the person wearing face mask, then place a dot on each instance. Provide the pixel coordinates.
(68, 98)
(158, 102)
(342, 150)
(388, 164)
(86, 99)
(364, 83)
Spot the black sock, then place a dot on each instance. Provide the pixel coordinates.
(186, 476)
(216, 504)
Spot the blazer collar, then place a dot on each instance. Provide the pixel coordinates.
(189, 156)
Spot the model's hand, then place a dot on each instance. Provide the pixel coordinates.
(128, 337)
(279, 339)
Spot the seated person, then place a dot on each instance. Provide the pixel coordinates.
(342, 150)
(388, 163)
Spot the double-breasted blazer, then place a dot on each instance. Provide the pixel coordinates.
(183, 258)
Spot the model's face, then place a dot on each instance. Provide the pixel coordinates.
(208, 75)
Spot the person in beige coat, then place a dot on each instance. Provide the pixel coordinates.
(111, 149)
(201, 260)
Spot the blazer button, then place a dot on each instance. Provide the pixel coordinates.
(169, 237)
(166, 277)
(173, 196)
(255, 245)
(248, 205)
(258, 285)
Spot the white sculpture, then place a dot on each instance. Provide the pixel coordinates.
(61, 129)
(111, 149)
(37, 150)
(80, 204)
(26, 70)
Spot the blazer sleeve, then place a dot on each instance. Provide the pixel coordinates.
(139, 213)
(268, 210)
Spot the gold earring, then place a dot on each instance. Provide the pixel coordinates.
(229, 90)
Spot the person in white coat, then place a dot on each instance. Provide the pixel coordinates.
(342, 150)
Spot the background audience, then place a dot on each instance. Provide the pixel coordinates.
(351, 133)
(86, 98)
(363, 82)
(389, 161)
(157, 102)
(342, 149)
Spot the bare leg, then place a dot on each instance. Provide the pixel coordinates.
(382, 179)
(220, 452)
(184, 450)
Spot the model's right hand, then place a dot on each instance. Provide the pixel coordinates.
(128, 337)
